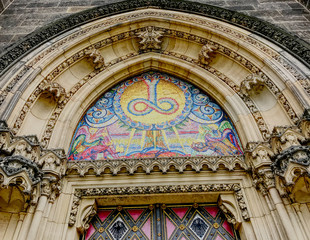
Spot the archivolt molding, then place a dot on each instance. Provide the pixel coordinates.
(80, 193)
(212, 25)
(115, 166)
(295, 45)
(82, 53)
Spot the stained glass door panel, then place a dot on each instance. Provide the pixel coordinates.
(161, 222)
(196, 222)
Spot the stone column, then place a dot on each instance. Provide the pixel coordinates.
(35, 224)
(275, 196)
(305, 226)
(26, 223)
(19, 225)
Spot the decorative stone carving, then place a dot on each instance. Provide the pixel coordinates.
(97, 192)
(54, 88)
(298, 48)
(300, 155)
(18, 170)
(147, 165)
(263, 179)
(304, 125)
(88, 210)
(25, 163)
(227, 205)
(253, 83)
(150, 39)
(285, 137)
(96, 57)
(258, 154)
(206, 53)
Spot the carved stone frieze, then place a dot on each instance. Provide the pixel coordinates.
(263, 179)
(150, 38)
(180, 163)
(158, 189)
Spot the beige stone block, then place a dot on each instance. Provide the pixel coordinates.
(275, 117)
(11, 227)
(32, 126)
(4, 223)
(75, 46)
(99, 36)
(82, 68)
(122, 48)
(67, 80)
(230, 68)
(264, 100)
(108, 54)
(249, 129)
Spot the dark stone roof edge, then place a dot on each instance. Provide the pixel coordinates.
(293, 44)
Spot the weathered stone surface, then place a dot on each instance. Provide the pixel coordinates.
(24, 16)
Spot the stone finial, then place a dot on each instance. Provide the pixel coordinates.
(150, 38)
(95, 57)
(206, 53)
(253, 83)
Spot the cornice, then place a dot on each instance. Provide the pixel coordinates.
(292, 44)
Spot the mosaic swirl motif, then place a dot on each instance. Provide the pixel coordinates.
(154, 115)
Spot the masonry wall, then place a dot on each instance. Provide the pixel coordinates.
(24, 16)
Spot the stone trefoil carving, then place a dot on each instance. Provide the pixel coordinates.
(105, 191)
(206, 53)
(95, 57)
(150, 39)
(180, 163)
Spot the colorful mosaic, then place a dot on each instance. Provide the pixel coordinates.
(172, 222)
(154, 115)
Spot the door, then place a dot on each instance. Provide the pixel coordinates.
(161, 222)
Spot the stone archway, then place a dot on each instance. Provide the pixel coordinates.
(54, 75)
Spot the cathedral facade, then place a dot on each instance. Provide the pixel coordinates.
(151, 119)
